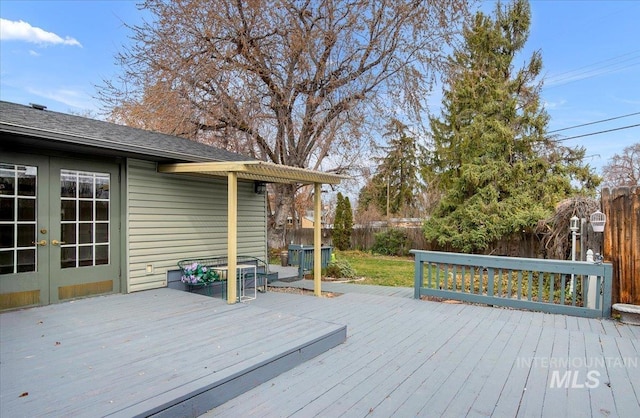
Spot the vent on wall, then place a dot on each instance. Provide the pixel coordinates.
(38, 106)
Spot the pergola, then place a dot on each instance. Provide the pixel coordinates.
(268, 173)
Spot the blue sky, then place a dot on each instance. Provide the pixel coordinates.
(55, 52)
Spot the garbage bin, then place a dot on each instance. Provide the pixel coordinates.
(284, 258)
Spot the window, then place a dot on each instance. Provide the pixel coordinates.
(84, 218)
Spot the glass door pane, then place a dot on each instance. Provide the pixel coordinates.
(18, 218)
(84, 218)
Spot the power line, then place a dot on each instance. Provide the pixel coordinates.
(593, 123)
(599, 132)
(595, 64)
(593, 70)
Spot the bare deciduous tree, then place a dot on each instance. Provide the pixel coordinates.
(293, 82)
(623, 169)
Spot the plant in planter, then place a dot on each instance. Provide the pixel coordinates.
(198, 274)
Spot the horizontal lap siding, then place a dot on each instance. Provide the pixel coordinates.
(173, 217)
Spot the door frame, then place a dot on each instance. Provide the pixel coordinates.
(72, 283)
(20, 290)
(32, 287)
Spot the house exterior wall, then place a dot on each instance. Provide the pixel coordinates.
(173, 217)
(306, 223)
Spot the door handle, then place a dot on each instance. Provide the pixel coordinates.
(42, 242)
(56, 242)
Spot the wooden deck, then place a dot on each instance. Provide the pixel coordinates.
(160, 352)
(405, 357)
(171, 353)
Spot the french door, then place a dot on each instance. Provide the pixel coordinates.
(59, 229)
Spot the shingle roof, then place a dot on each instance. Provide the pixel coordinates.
(76, 130)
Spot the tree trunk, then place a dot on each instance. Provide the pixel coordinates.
(282, 210)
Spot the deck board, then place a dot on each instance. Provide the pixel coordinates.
(624, 379)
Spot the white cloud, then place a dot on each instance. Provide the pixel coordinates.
(23, 31)
(75, 97)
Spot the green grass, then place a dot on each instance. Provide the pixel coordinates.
(380, 269)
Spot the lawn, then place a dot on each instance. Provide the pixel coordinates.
(380, 269)
(399, 271)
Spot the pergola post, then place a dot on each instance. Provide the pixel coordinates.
(232, 235)
(317, 240)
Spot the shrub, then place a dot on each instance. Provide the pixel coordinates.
(391, 242)
(339, 269)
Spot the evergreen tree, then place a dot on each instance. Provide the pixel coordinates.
(492, 159)
(397, 186)
(347, 217)
(343, 223)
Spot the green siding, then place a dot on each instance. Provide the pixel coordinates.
(173, 217)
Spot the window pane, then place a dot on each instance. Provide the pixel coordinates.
(102, 232)
(86, 187)
(7, 179)
(68, 212)
(26, 209)
(86, 210)
(6, 262)
(67, 184)
(102, 187)
(26, 235)
(7, 209)
(7, 238)
(68, 257)
(86, 256)
(102, 254)
(102, 211)
(69, 233)
(27, 181)
(26, 260)
(85, 233)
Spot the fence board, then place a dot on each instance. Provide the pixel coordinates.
(622, 241)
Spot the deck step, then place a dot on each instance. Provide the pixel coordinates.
(629, 314)
(161, 352)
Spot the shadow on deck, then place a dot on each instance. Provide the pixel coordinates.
(159, 352)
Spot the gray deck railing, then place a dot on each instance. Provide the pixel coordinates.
(554, 286)
(302, 257)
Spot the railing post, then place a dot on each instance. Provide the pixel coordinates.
(607, 279)
(418, 276)
(490, 272)
(301, 262)
(592, 288)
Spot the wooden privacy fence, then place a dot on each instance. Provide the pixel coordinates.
(622, 241)
(554, 286)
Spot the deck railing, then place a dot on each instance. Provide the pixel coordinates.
(576, 288)
(302, 257)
